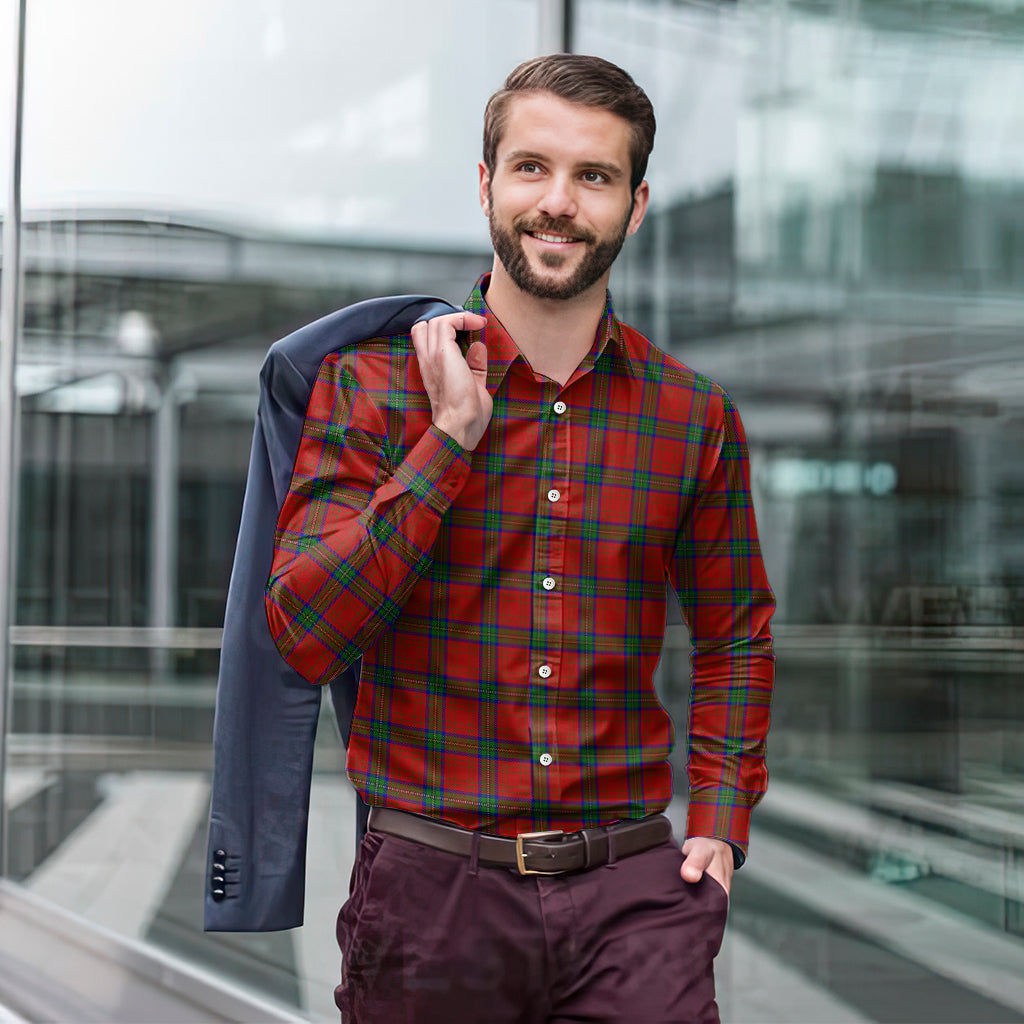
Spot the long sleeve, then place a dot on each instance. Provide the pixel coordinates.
(727, 604)
(355, 531)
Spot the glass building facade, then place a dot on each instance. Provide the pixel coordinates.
(836, 235)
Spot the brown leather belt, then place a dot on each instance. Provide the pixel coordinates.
(530, 853)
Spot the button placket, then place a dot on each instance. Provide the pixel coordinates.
(550, 564)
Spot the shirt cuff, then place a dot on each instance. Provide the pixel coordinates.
(714, 814)
(435, 469)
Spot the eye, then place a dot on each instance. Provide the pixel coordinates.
(594, 177)
(529, 167)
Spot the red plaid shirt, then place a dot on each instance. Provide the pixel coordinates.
(509, 603)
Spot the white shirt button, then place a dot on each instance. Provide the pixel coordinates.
(544, 671)
(549, 583)
(559, 407)
(545, 759)
(554, 495)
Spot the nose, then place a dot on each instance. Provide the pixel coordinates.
(559, 198)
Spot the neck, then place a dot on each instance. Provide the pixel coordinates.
(552, 334)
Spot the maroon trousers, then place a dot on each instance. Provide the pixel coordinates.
(432, 938)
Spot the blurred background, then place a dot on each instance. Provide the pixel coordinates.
(836, 235)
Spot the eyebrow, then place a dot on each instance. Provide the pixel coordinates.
(613, 171)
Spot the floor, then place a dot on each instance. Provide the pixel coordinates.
(811, 940)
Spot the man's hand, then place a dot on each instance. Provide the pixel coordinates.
(456, 386)
(710, 855)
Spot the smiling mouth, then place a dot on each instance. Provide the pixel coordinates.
(546, 237)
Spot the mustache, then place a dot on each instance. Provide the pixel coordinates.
(546, 226)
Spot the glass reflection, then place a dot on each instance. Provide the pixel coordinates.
(836, 239)
(210, 177)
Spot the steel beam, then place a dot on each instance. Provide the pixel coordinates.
(10, 324)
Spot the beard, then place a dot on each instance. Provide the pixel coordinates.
(599, 255)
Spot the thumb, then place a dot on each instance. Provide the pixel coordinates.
(694, 864)
(477, 358)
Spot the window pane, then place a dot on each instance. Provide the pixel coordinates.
(836, 237)
(201, 178)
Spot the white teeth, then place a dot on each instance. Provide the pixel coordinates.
(551, 238)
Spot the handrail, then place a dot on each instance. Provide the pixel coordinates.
(792, 637)
(167, 637)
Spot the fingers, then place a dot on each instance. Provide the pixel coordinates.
(696, 863)
(434, 341)
(711, 855)
(456, 387)
(473, 321)
(440, 328)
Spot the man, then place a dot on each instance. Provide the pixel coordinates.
(488, 512)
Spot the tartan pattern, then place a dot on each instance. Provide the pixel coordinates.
(430, 562)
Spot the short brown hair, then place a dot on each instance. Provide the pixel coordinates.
(577, 78)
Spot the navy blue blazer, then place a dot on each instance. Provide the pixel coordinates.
(266, 713)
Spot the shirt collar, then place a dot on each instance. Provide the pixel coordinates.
(502, 351)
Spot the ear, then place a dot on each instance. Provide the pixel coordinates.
(485, 182)
(640, 199)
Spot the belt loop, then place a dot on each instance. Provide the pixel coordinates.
(585, 833)
(610, 833)
(474, 853)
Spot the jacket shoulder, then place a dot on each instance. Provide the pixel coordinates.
(371, 318)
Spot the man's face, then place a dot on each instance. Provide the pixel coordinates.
(559, 203)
